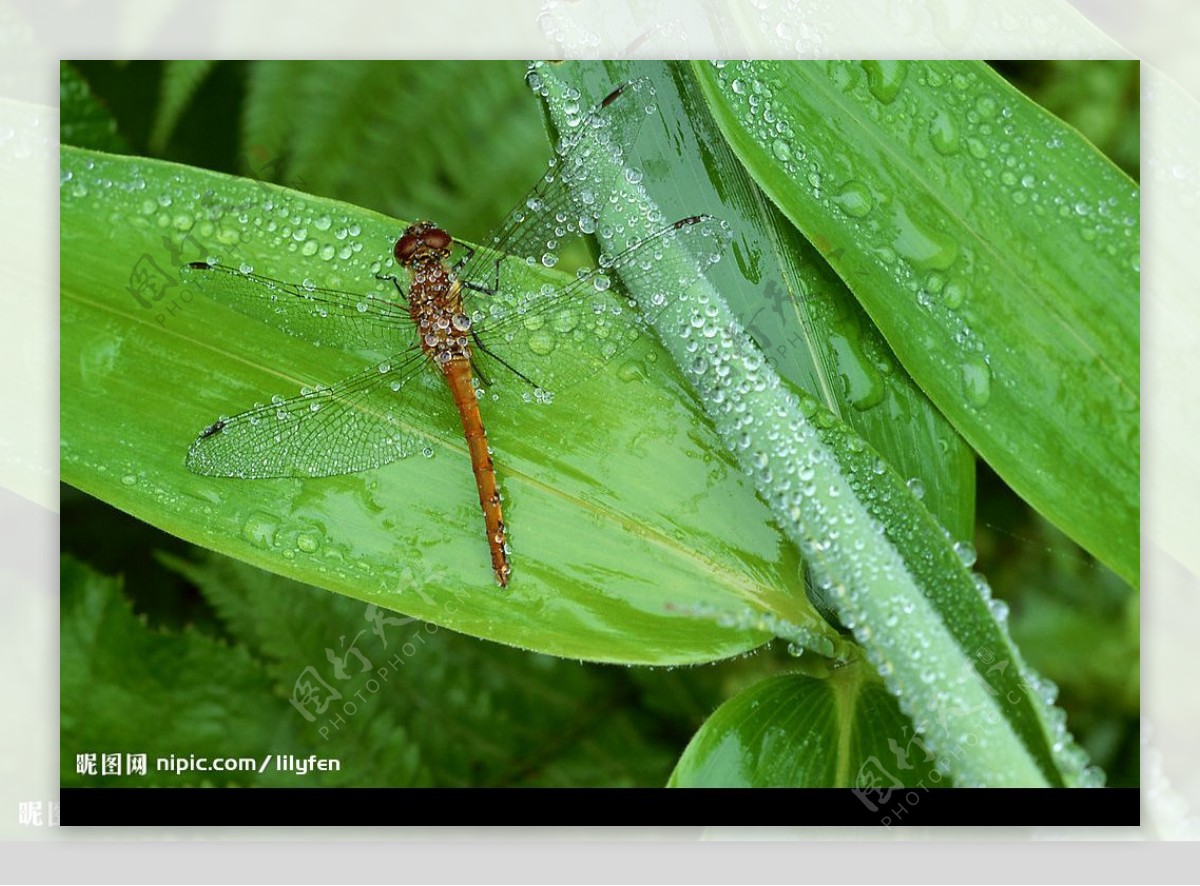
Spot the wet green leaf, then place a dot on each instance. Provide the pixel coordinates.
(995, 248)
(879, 558)
(631, 529)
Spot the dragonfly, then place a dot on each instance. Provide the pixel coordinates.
(453, 311)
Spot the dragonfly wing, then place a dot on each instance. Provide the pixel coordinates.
(372, 320)
(561, 206)
(555, 338)
(360, 423)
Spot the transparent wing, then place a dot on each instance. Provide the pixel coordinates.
(327, 317)
(562, 206)
(554, 338)
(548, 339)
(363, 422)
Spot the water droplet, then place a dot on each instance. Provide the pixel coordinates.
(966, 553)
(308, 542)
(921, 244)
(884, 78)
(976, 148)
(977, 381)
(541, 342)
(953, 294)
(259, 529)
(854, 199)
(986, 106)
(943, 134)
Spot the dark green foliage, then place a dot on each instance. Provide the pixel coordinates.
(450, 710)
(84, 121)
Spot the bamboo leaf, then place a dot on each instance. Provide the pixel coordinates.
(631, 528)
(883, 562)
(995, 248)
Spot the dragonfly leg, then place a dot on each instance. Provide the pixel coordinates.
(484, 348)
(484, 288)
(395, 282)
(478, 371)
(468, 254)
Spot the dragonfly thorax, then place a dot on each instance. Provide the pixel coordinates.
(434, 295)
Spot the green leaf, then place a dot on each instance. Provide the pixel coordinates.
(631, 528)
(880, 558)
(801, 732)
(996, 250)
(180, 81)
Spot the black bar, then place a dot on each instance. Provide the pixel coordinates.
(1018, 807)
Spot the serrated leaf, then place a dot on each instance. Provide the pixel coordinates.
(83, 121)
(400, 137)
(419, 705)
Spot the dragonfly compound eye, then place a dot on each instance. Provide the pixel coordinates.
(407, 246)
(422, 237)
(436, 239)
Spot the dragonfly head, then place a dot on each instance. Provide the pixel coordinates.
(422, 241)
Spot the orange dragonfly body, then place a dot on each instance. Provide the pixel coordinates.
(435, 302)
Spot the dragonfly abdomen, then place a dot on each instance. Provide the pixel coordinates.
(458, 377)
